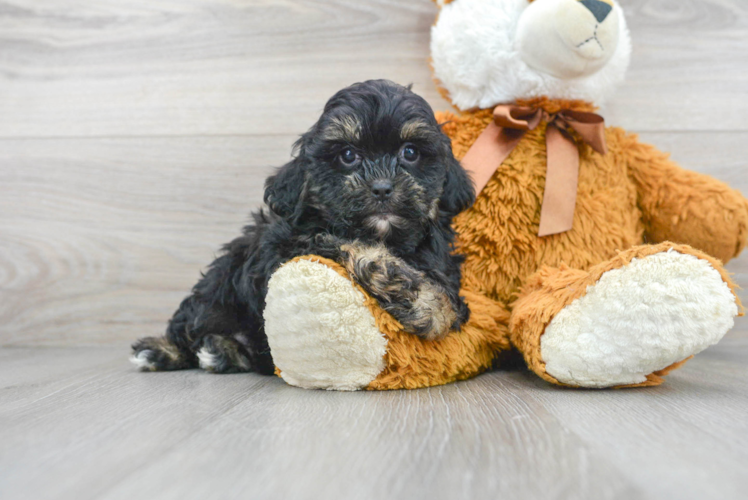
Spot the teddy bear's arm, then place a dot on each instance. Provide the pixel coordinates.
(326, 332)
(682, 206)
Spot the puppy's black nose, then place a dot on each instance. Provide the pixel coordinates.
(599, 9)
(381, 189)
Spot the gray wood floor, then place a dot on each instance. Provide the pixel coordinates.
(134, 139)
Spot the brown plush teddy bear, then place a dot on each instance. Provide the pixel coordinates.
(590, 253)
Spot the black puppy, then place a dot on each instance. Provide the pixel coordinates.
(373, 186)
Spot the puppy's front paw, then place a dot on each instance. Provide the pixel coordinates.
(381, 274)
(422, 307)
(430, 315)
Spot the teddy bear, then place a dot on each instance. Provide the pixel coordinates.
(589, 253)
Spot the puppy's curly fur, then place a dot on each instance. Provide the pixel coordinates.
(374, 186)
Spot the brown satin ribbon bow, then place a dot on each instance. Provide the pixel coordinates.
(509, 125)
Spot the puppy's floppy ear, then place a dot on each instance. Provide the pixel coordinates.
(285, 191)
(458, 193)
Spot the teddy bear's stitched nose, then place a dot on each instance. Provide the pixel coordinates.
(599, 9)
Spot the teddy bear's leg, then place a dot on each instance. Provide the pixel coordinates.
(625, 322)
(325, 332)
(687, 207)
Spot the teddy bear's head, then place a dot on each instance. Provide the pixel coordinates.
(487, 52)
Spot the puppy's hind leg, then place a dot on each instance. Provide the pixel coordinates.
(172, 351)
(219, 354)
(159, 354)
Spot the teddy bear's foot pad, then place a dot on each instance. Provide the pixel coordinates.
(638, 319)
(321, 334)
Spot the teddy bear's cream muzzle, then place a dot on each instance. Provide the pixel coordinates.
(568, 38)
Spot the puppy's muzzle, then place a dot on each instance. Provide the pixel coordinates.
(381, 189)
(380, 175)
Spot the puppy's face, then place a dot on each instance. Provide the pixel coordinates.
(375, 166)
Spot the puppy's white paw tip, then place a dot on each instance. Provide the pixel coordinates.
(638, 319)
(207, 359)
(142, 360)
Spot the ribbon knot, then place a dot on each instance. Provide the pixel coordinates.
(510, 123)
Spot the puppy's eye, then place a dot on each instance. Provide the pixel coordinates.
(409, 153)
(348, 157)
